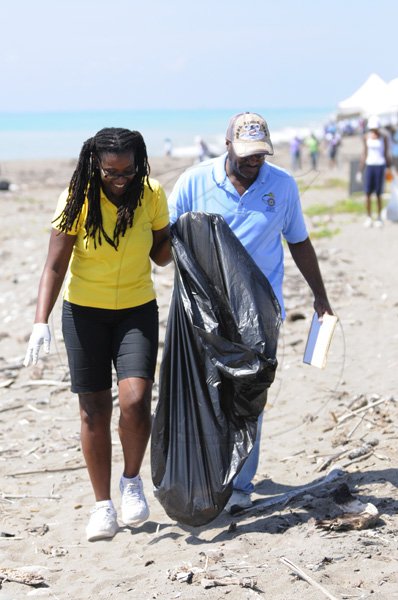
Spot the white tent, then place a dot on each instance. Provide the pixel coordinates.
(372, 97)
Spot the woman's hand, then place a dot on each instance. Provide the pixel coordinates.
(39, 337)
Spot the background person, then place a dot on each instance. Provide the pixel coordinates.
(295, 153)
(333, 143)
(312, 144)
(393, 141)
(203, 152)
(374, 160)
(107, 226)
(260, 202)
(168, 147)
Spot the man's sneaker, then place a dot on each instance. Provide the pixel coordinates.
(134, 505)
(102, 524)
(379, 223)
(237, 502)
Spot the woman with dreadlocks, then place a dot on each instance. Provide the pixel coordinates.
(108, 224)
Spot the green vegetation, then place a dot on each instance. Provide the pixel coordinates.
(350, 205)
(324, 233)
(335, 183)
(353, 205)
(328, 183)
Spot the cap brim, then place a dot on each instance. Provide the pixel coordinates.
(243, 149)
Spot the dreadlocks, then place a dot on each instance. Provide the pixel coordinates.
(86, 182)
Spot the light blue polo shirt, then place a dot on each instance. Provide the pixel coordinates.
(268, 210)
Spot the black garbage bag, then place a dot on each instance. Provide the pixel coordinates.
(218, 362)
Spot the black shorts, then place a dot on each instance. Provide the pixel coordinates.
(96, 337)
(374, 179)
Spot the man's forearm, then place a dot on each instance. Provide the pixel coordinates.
(304, 256)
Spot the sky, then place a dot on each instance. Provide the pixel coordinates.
(174, 54)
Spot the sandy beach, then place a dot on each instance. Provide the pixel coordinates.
(338, 423)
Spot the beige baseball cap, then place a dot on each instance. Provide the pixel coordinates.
(249, 134)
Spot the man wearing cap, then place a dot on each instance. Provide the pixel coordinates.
(260, 203)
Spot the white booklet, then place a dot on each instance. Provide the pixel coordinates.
(319, 338)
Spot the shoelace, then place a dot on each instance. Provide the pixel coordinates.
(109, 513)
(132, 491)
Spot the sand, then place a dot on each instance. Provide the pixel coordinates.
(310, 428)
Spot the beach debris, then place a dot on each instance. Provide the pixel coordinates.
(4, 496)
(47, 470)
(39, 529)
(360, 452)
(10, 368)
(49, 382)
(213, 555)
(245, 582)
(284, 499)
(12, 406)
(356, 514)
(326, 560)
(302, 575)
(6, 383)
(358, 401)
(55, 551)
(371, 404)
(28, 576)
(184, 573)
(216, 571)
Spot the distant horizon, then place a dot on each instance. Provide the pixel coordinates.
(28, 134)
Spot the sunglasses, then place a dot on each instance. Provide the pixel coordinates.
(109, 174)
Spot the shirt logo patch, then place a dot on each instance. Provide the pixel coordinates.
(269, 201)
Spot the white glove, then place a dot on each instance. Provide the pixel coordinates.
(40, 336)
(358, 177)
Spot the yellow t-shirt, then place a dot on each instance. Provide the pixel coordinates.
(103, 277)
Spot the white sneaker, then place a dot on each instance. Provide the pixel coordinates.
(379, 223)
(102, 524)
(237, 501)
(134, 505)
(368, 222)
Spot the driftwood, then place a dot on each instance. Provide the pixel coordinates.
(300, 573)
(353, 454)
(11, 367)
(6, 383)
(46, 470)
(12, 407)
(358, 458)
(28, 496)
(326, 463)
(245, 582)
(358, 411)
(37, 382)
(334, 474)
(359, 422)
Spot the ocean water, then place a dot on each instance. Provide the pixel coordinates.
(40, 135)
